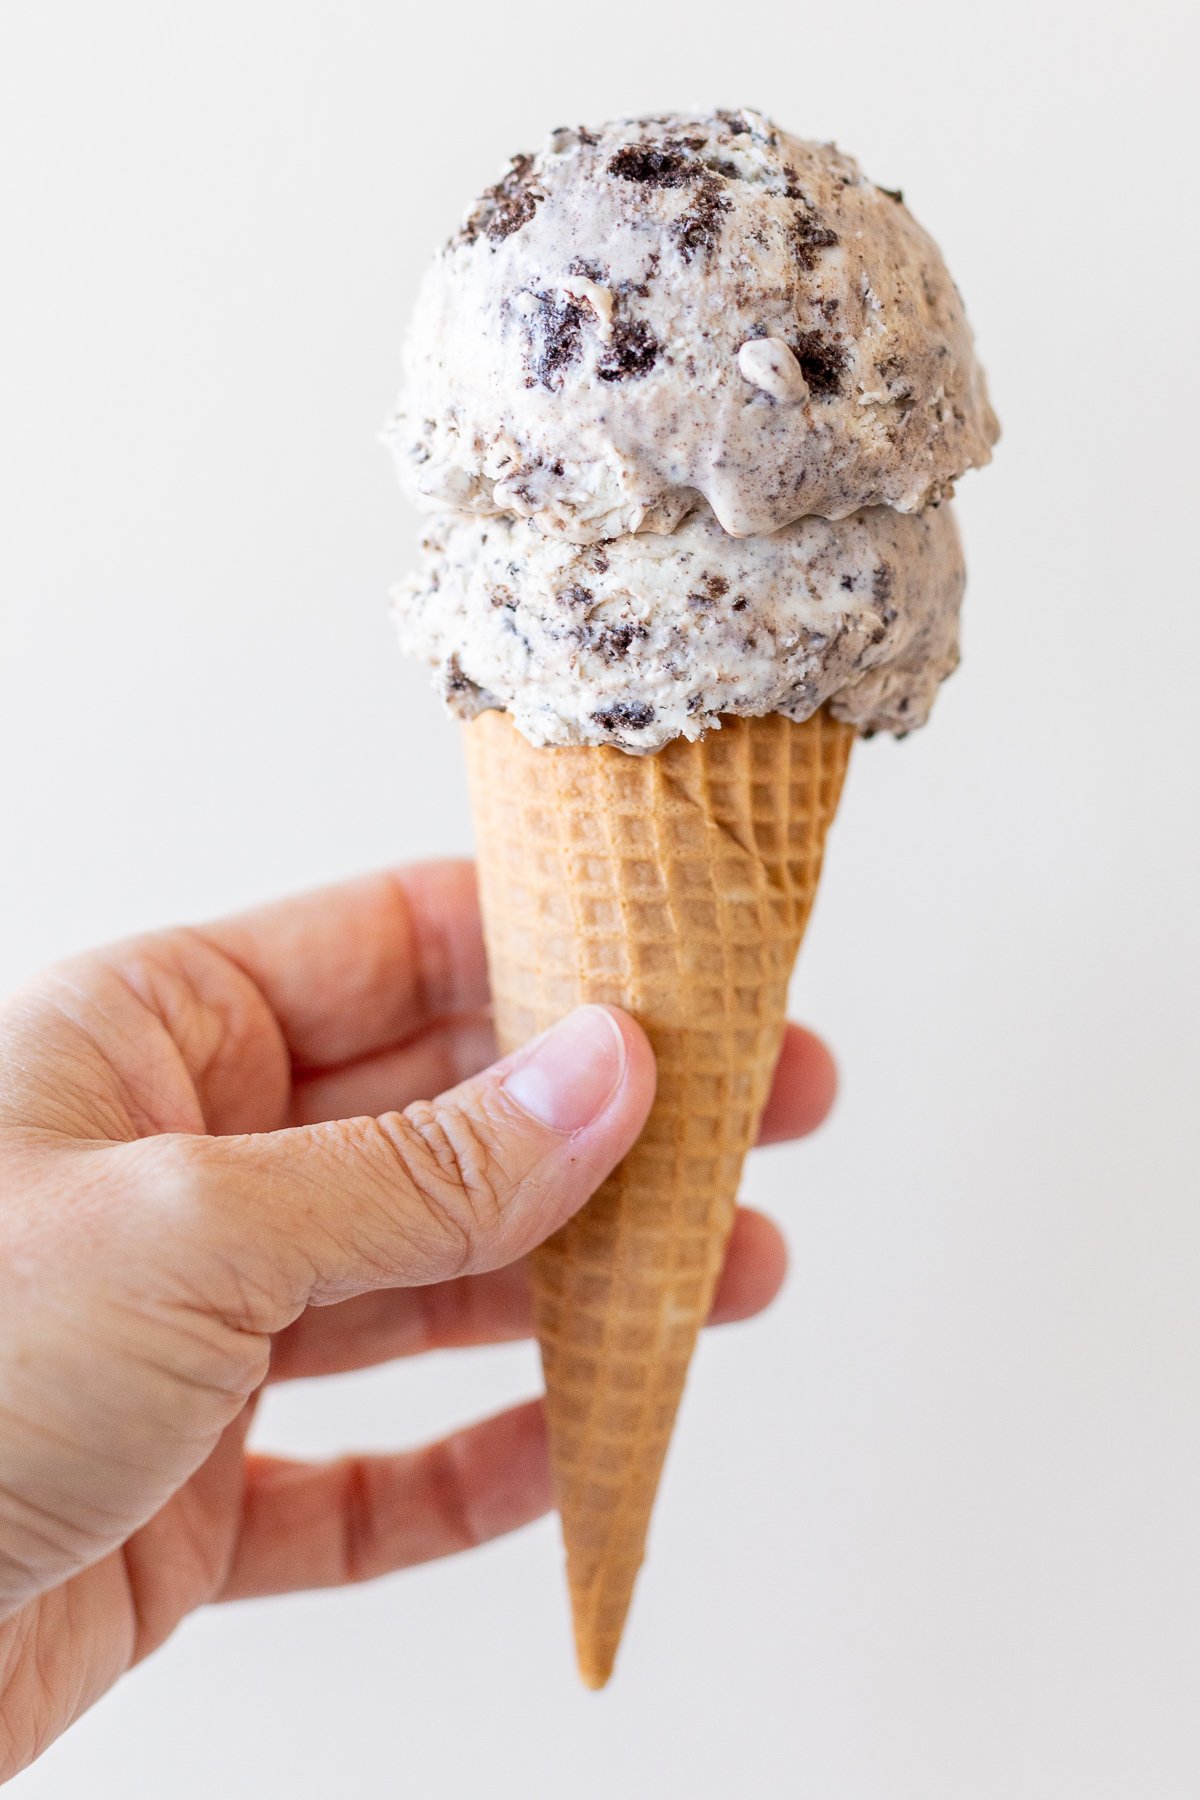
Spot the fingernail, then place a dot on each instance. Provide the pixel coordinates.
(570, 1074)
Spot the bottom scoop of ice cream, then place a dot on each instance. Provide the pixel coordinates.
(642, 639)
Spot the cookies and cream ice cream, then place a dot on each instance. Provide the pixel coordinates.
(668, 308)
(686, 398)
(646, 638)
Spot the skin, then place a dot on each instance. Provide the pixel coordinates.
(218, 1168)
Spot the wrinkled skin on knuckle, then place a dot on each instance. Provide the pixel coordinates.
(455, 1168)
(401, 1227)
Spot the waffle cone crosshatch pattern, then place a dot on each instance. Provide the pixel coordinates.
(677, 886)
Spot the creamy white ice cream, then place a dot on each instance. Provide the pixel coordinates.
(669, 308)
(646, 638)
(686, 397)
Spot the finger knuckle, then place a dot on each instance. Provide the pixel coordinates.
(432, 1217)
(373, 1535)
(449, 1489)
(454, 1167)
(362, 1520)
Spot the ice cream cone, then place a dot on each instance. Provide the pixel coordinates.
(678, 886)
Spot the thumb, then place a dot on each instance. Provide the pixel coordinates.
(451, 1186)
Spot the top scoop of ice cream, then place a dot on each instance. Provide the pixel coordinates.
(676, 307)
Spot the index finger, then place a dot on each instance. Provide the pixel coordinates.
(353, 969)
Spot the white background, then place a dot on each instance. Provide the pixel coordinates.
(929, 1531)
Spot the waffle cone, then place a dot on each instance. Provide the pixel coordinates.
(677, 886)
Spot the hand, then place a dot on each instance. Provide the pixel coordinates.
(205, 1185)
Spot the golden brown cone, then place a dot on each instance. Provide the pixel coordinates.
(677, 886)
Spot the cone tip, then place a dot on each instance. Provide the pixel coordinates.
(595, 1675)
